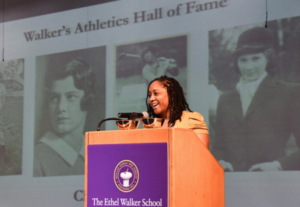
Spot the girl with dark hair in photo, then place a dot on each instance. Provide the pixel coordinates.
(70, 89)
(166, 100)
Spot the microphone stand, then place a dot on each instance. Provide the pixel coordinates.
(104, 120)
(132, 116)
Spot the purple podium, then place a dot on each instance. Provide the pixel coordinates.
(151, 167)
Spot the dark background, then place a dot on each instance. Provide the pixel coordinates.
(20, 9)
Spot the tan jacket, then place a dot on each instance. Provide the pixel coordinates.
(192, 120)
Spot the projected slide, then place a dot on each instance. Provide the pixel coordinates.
(64, 72)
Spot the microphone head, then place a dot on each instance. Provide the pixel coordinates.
(145, 115)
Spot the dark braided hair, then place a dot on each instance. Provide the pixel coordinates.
(177, 102)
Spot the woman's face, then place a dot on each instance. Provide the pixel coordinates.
(252, 66)
(159, 99)
(65, 106)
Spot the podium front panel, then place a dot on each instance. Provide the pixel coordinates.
(171, 162)
(128, 174)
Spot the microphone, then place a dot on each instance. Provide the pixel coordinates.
(134, 115)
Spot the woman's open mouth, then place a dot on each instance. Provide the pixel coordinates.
(154, 105)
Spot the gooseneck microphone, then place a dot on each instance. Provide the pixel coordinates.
(134, 115)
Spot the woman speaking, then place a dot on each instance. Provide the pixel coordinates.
(165, 100)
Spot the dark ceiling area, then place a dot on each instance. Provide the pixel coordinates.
(11, 10)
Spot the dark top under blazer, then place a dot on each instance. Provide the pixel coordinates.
(260, 136)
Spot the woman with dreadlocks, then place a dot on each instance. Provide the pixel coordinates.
(166, 100)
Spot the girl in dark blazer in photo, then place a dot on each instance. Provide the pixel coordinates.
(255, 120)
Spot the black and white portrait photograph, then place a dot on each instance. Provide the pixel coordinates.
(137, 64)
(70, 99)
(254, 120)
(11, 116)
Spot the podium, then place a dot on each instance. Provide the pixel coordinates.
(151, 167)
